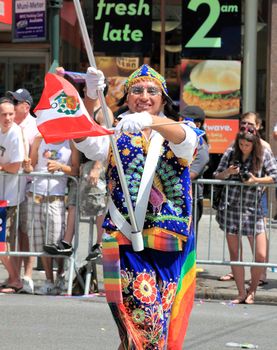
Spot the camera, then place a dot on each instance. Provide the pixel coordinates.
(244, 173)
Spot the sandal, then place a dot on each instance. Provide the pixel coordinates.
(10, 289)
(228, 277)
(250, 299)
(261, 283)
(238, 300)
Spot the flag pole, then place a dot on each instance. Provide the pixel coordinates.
(137, 240)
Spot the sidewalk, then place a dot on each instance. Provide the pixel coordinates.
(208, 286)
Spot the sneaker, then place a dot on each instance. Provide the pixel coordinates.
(28, 285)
(47, 289)
(60, 283)
(62, 248)
(95, 252)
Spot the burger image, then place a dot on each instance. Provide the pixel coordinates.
(115, 92)
(214, 86)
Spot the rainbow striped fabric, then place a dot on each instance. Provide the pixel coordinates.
(111, 270)
(184, 299)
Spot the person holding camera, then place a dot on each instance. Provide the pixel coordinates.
(249, 162)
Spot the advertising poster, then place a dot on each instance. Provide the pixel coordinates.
(214, 86)
(211, 29)
(221, 133)
(122, 27)
(29, 22)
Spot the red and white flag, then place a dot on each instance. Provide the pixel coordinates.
(61, 114)
(6, 11)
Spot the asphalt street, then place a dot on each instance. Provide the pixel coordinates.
(62, 322)
(85, 323)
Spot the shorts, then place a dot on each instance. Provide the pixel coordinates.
(11, 222)
(23, 216)
(37, 230)
(93, 199)
(11, 226)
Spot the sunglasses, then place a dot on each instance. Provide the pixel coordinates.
(139, 90)
(249, 130)
(247, 123)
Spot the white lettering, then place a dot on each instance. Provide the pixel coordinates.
(218, 128)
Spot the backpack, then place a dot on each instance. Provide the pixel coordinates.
(78, 286)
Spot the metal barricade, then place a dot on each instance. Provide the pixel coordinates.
(24, 179)
(211, 241)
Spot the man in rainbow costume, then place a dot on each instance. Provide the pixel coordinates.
(150, 292)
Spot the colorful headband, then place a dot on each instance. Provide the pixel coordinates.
(146, 71)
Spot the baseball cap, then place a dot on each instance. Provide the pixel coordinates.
(21, 95)
(193, 112)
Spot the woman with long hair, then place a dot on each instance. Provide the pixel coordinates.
(249, 162)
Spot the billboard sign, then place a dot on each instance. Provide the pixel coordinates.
(211, 28)
(29, 22)
(122, 27)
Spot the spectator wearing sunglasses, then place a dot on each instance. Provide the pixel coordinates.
(253, 120)
(261, 168)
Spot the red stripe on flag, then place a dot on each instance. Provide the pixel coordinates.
(67, 128)
(61, 113)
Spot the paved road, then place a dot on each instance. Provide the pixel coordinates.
(60, 323)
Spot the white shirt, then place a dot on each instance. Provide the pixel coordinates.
(60, 152)
(96, 148)
(11, 151)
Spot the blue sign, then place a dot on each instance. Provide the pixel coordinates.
(29, 20)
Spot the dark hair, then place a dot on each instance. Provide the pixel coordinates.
(258, 119)
(6, 100)
(257, 151)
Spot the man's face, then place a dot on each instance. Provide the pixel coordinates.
(145, 96)
(22, 108)
(7, 115)
(250, 120)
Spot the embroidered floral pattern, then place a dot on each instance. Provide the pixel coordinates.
(138, 316)
(136, 141)
(169, 154)
(144, 288)
(148, 303)
(169, 202)
(126, 152)
(183, 162)
(168, 295)
(125, 281)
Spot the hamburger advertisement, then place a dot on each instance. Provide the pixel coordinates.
(212, 85)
